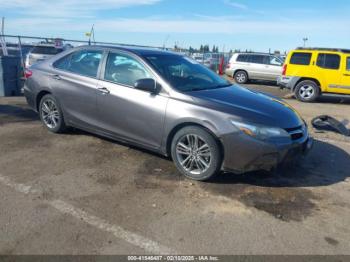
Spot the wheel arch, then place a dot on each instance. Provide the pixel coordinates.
(179, 126)
(39, 96)
(235, 71)
(307, 79)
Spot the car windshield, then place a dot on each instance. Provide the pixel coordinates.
(185, 74)
(46, 50)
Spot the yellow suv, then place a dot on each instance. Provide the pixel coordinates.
(311, 72)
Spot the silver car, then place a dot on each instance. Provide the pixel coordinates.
(167, 103)
(211, 60)
(254, 66)
(40, 53)
(198, 57)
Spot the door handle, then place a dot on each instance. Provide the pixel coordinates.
(57, 77)
(346, 74)
(103, 90)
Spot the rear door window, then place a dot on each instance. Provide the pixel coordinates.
(257, 59)
(63, 62)
(300, 59)
(328, 61)
(84, 62)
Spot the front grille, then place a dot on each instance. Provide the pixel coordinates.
(294, 129)
(296, 133)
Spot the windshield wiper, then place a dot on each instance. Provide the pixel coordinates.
(208, 88)
(219, 86)
(197, 89)
(223, 85)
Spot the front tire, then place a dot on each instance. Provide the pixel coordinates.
(196, 153)
(51, 114)
(307, 91)
(241, 77)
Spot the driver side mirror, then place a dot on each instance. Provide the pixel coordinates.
(146, 84)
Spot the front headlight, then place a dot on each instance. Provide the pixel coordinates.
(261, 132)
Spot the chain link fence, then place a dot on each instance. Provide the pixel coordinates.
(15, 54)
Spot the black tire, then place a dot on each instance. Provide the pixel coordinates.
(56, 125)
(205, 138)
(241, 77)
(307, 91)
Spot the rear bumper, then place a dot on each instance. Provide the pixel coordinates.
(288, 82)
(244, 154)
(229, 72)
(30, 97)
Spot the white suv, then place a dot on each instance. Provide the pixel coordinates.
(247, 66)
(41, 52)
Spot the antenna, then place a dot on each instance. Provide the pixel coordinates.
(91, 34)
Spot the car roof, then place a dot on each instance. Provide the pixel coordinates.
(47, 45)
(141, 51)
(339, 50)
(253, 53)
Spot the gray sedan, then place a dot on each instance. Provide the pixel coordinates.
(166, 103)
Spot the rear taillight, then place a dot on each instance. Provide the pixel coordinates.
(28, 73)
(228, 66)
(284, 71)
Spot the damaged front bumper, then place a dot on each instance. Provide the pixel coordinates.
(245, 154)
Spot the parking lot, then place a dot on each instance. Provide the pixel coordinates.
(81, 194)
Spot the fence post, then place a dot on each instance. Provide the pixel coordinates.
(20, 52)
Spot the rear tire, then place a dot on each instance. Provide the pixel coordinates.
(196, 153)
(51, 114)
(241, 77)
(307, 91)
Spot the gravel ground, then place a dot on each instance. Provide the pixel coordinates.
(81, 194)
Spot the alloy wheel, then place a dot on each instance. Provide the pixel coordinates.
(50, 113)
(193, 154)
(306, 91)
(240, 78)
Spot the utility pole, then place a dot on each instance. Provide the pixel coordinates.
(2, 25)
(305, 39)
(165, 41)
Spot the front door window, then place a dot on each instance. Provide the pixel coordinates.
(124, 70)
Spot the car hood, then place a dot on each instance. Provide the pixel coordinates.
(249, 105)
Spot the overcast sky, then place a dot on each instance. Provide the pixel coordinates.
(242, 24)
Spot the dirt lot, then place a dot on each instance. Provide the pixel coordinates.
(81, 194)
